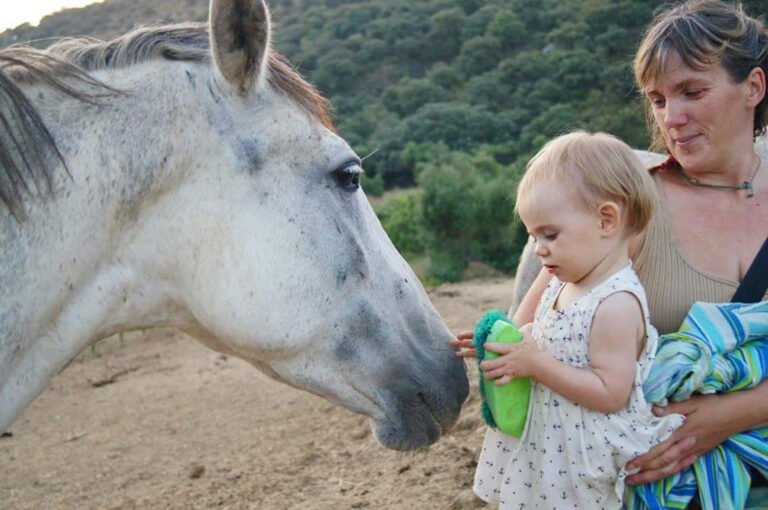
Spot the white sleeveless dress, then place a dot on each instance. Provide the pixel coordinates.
(570, 456)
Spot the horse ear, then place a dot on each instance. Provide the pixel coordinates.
(240, 40)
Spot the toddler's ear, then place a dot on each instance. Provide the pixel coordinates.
(609, 214)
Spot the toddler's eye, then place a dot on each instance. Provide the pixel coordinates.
(550, 237)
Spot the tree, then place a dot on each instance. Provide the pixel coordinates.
(458, 125)
(445, 35)
(479, 55)
(409, 95)
(507, 27)
(477, 24)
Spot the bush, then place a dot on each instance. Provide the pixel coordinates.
(468, 213)
(373, 186)
(402, 219)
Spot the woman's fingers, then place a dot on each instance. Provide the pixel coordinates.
(654, 475)
(643, 460)
(673, 455)
(685, 407)
(664, 453)
(667, 458)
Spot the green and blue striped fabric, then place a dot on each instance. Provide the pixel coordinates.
(719, 348)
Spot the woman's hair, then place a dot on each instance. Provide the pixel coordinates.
(702, 33)
(595, 168)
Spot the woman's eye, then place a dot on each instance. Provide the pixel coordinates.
(693, 94)
(348, 176)
(658, 102)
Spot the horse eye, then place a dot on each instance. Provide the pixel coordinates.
(348, 176)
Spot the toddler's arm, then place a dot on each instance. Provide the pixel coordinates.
(617, 335)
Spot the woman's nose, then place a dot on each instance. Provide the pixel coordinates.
(674, 113)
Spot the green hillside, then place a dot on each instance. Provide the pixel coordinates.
(452, 95)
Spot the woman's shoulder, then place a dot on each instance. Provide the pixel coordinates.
(650, 160)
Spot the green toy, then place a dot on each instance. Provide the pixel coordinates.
(504, 407)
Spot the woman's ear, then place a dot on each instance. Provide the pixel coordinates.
(609, 214)
(755, 86)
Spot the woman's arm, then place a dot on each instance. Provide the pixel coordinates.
(617, 330)
(709, 420)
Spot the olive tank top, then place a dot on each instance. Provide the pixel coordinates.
(671, 281)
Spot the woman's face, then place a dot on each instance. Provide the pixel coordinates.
(706, 118)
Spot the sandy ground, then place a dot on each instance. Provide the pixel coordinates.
(159, 421)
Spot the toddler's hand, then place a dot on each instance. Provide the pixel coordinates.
(516, 360)
(463, 342)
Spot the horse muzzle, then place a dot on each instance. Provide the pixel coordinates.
(421, 407)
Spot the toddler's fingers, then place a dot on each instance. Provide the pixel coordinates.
(501, 381)
(466, 353)
(496, 373)
(490, 365)
(498, 348)
(464, 335)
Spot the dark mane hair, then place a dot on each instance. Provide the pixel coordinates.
(26, 145)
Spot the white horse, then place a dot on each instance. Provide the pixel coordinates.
(172, 178)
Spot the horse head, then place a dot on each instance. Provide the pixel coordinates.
(210, 193)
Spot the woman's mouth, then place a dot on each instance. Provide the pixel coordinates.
(685, 141)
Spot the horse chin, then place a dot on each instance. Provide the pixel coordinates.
(416, 432)
(413, 424)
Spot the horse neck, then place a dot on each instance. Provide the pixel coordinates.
(67, 273)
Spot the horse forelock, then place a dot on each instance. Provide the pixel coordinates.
(66, 66)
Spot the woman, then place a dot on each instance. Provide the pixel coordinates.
(702, 68)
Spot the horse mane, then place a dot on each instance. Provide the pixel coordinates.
(26, 145)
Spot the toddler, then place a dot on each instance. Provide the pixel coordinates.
(590, 347)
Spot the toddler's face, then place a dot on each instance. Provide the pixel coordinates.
(567, 234)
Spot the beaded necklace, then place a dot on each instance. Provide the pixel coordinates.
(671, 162)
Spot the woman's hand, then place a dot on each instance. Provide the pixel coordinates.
(516, 360)
(708, 423)
(463, 342)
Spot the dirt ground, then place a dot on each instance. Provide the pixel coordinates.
(156, 420)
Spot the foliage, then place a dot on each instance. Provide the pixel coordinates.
(401, 217)
(373, 186)
(454, 95)
(468, 213)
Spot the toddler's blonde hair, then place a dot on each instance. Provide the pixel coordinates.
(595, 167)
